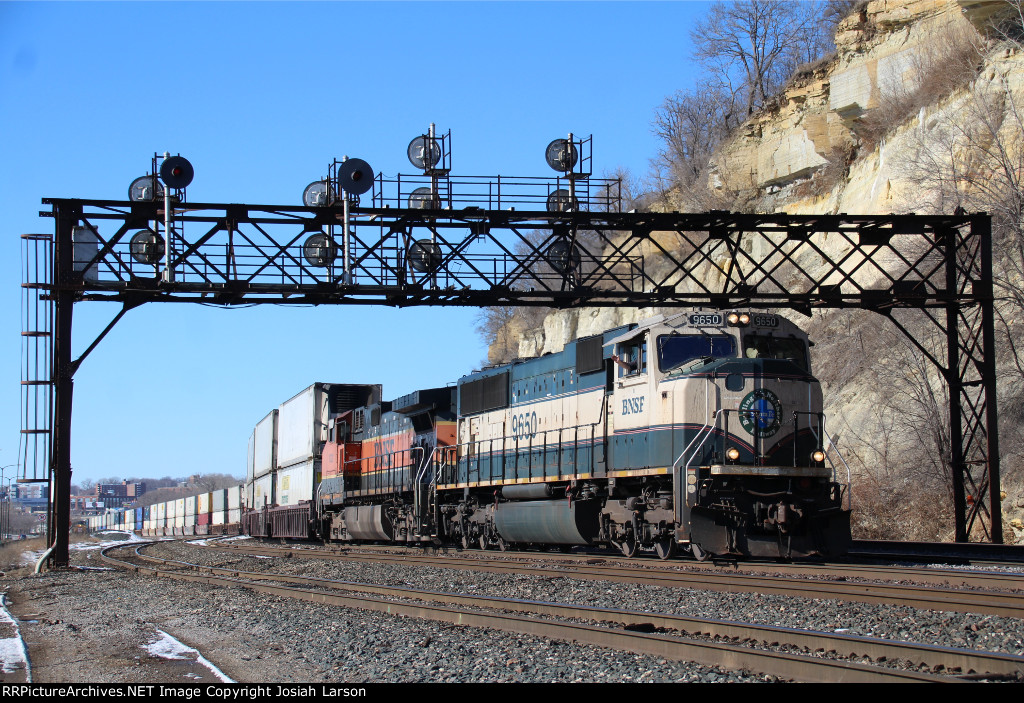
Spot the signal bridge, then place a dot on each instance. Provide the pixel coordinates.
(437, 239)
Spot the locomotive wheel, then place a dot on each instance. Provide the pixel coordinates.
(503, 545)
(698, 553)
(483, 542)
(629, 547)
(465, 541)
(665, 548)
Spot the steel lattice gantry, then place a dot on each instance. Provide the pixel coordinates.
(937, 267)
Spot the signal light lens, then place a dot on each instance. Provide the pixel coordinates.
(732, 453)
(733, 318)
(818, 456)
(744, 319)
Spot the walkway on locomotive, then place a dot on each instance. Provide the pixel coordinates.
(737, 383)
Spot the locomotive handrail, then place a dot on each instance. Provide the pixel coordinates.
(706, 427)
(824, 432)
(417, 487)
(465, 450)
(380, 465)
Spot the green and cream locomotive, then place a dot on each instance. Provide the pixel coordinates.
(703, 431)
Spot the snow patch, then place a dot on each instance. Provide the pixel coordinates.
(166, 647)
(13, 655)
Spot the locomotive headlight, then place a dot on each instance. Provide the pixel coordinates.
(733, 453)
(738, 319)
(818, 456)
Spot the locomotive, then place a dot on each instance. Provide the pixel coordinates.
(700, 431)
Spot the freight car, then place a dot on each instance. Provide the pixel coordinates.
(703, 430)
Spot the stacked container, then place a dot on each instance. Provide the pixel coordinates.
(264, 464)
(218, 510)
(203, 503)
(234, 507)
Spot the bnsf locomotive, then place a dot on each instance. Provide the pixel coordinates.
(700, 431)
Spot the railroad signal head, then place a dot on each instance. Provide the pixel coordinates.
(562, 200)
(424, 199)
(176, 172)
(320, 250)
(145, 189)
(561, 155)
(146, 247)
(424, 152)
(355, 176)
(563, 256)
(424, 256)
(319, 194)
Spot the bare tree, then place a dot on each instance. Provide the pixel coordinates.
(495, 327)
(691, 125)
(750, 47)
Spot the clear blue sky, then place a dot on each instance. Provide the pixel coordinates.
(260, 97)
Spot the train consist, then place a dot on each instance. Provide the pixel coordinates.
(217, 512)
(700, 431)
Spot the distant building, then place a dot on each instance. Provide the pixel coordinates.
(115, 495)
(86, 504)
(30, 491)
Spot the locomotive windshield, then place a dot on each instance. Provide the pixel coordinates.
(677, 349)
(756, 346)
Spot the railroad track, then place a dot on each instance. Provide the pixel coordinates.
(973, 578)
(650, 633)
(996, 600)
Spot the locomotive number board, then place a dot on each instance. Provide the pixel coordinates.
(764, 320)
(706, 320)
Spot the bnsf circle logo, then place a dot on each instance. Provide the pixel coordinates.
(761, 413)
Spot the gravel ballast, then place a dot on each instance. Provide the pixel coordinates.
(91, 626)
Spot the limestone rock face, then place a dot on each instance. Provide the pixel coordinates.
(813, 119)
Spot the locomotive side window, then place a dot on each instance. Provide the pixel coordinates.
(677, 349)
(756, 346)
(632, 357)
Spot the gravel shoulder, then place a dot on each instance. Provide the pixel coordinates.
(92, 626)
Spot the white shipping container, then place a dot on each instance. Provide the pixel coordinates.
(250, 458)
(172, 509)
(265, 447)
(219, 500)
(218, 517)
(179, 522)
(263, 491)
(190, 506)
(179, 507)
(234, 516)
(295, 484)
(190, 520)
(234, 498)
(302, 426)
(204, 503)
